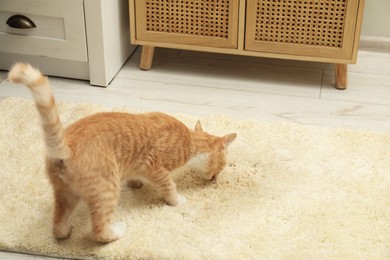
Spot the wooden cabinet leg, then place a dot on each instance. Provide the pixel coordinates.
(341, 77)
(146, 57)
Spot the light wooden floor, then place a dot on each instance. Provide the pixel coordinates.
(242, 87)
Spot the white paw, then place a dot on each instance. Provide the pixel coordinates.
(118, 228)
(181, 200)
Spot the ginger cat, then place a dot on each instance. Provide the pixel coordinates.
(90, 158)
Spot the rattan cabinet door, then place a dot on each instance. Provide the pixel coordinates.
(212, 23)
(317, 28)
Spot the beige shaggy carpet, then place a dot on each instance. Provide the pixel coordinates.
(289, 192)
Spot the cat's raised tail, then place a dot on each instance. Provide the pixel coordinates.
(56, 146)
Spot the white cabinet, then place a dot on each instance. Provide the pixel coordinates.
(84, 39)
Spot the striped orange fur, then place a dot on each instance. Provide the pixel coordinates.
(90, 158)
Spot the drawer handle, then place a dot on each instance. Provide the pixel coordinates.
(20, 22)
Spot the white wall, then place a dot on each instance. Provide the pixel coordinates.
(376, 20)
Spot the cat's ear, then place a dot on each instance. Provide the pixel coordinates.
(228, 139)
(198, 127)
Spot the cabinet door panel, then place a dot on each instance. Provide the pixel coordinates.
(212, 23)
(316, 28)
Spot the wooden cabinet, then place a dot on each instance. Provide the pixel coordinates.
(84, 39)
(313, 30)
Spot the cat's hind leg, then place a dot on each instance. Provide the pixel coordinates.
(65, 200)
(65, 203)
(162, 180)
(102, 200)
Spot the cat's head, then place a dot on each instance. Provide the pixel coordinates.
(211, 152)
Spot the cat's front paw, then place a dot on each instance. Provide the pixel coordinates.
(181, 200)
(177, 201)
(118, 228)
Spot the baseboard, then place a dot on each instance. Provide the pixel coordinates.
(373, 43)
(48, 66)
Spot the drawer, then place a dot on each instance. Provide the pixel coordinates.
(313, 28)
(59, 31)
(193, 22)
